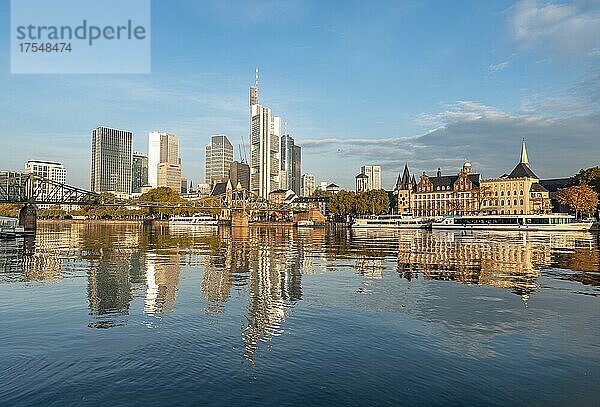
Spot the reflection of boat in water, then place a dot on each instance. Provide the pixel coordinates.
(547, 222)
(198, 221)
(10, 229)
(391, 222)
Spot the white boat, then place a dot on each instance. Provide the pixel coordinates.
(391, 222)
(9, 227)
(551, 222)
(198, 220)
(305, 223)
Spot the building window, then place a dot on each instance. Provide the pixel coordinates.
(521, 202)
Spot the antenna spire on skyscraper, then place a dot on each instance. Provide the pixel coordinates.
(256, 78)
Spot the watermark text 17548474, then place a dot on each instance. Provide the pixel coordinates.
(75, 36)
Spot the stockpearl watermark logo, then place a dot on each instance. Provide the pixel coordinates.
(80, 36)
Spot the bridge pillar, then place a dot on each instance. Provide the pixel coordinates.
(239, 220)
(28, 218)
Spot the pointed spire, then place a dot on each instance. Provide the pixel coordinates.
(524, 158)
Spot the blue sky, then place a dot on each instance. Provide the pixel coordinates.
(425, 82)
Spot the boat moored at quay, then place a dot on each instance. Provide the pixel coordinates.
(199, 221)
(545, 222)
(391, 222)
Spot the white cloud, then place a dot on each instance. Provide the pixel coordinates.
(568, 29)
(498, 67)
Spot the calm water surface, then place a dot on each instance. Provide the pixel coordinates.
(125, 314)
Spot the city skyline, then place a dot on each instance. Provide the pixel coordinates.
(465, 88)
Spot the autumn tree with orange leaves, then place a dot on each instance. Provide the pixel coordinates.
(579, 198)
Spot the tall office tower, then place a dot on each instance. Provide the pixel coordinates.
(184, 186)
(254, 91)
(139, 172)
(219, 156)
(240, 173)
(297, 169)
(169, 175)
(111, 160)
(374, 174)
(285, 175)
(162, 148)
(265, 133)
(308, 184)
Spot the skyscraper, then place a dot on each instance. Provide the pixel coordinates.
(139, 172)
(218, 159)
(162, 148)
(265, 132)
(111, 160)
(374, 174)
(297, 169)
(240, 173)
(291, 165)
(285, 175)
(308, 184)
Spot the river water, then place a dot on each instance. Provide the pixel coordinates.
(127, 314)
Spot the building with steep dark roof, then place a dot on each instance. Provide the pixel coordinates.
(519, 192)
(447, 194)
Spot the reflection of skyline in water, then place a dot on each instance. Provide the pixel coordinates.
(130, 268)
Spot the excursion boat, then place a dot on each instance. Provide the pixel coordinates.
(305, 223)
(391, 222)
(550, 222)
(199, 220)
(9, 228)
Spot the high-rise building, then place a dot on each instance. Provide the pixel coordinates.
(218, 159)
(239, 173)
(169, 175)
(162, 148)
(291, 165)
(374, 174)
(297, 169)
(111, 160)
(139, 172)
(54, 171)
(184, 186)
(308, 184)
(51, 170)
(265, 134)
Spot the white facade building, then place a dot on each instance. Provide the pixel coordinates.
(374, 174)
(308, 184)
(162, 148)
(265, 134)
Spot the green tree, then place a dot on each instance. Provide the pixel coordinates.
(161, 194)
(342, 203)
(590, 177)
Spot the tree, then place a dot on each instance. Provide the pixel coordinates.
(161, 194)
(579, 198)
(342, 203)
(591, 177)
